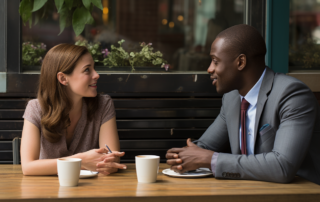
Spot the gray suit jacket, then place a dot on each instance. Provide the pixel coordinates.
(289, 146)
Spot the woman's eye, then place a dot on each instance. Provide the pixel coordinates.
(86, 70)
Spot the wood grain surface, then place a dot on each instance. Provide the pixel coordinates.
(123, 186)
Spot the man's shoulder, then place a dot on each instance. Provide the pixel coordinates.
(288, 84)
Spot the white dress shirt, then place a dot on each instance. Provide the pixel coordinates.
(252, 98)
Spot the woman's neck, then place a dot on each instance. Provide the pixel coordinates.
(76, 107)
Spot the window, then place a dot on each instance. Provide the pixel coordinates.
(304, 39)
(182, 30)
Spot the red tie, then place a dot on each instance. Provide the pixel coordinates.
(244, 106)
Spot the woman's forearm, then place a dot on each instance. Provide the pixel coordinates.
(43, 166)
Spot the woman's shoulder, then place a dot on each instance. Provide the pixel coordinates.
(106, 107)
(34, 104)
(104, 100)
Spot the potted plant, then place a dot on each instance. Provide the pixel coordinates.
(120, 60)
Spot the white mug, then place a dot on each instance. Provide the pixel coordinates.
(69, 171)
(147, 167)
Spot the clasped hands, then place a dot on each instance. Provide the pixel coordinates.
(190, 157)
(102, 161)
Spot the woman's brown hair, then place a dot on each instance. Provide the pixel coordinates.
(52, 95)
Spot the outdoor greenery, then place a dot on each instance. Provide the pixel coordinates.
(146, 57)
(32, 54)
(75, 12)
(119, 57)
(306, 55)
(94, 49)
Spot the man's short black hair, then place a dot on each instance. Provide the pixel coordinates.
(244, 39)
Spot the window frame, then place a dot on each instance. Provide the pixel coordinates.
(186, 84)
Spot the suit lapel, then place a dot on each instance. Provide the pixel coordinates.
(262, 98)
(235, 123)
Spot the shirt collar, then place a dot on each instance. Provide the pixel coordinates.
(252, 95)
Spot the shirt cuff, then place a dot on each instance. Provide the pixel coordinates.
(214, 159)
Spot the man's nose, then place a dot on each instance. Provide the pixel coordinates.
(211, 68)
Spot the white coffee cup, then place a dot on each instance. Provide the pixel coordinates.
(69, 171)
(147, 167)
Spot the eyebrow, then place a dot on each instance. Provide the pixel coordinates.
(86, 66)
(214, 56)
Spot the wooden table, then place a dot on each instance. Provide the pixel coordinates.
(123, 187)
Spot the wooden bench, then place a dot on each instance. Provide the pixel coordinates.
(145, 125)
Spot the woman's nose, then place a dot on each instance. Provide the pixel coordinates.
(96, 76)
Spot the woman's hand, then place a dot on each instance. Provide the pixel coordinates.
(111, 163)
(92, 157)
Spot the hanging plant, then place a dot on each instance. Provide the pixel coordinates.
(77, 12)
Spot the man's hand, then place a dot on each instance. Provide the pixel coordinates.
(188, 158)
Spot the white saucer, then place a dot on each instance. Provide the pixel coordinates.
(87, 174)
(200, 172)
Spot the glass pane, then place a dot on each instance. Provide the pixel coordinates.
(182, 30)
(304, 44)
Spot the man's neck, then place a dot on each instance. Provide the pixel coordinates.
(250, 80)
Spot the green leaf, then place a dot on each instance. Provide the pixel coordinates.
(90, 20)
(63, 19)
(38, 4)
(59, 4)
(79, 19)
(86, 3)
(69, 3)
(97, 3)
(25, 10)
(36, 18)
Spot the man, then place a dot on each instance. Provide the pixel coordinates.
(268, 126)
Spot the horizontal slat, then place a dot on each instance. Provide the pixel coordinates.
(9, 134)
(131, 153)
(13, 103)
(167, 123)
(11, 124)
(6, 155)
(132, 133)
(177, 84)
(134, 103)
(151, 144)
(124, 161)
(159, 133)
(167, 113)
(168, 103)
(11, 162)
(16, 114)
(131, 124)
(5, 145)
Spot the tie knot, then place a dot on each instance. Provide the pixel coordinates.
(244, 104)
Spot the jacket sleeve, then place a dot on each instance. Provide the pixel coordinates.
(297, 111)
(216, 138)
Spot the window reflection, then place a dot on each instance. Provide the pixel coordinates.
(182, 30)
(304, 40)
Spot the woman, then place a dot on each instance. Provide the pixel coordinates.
(69, 119)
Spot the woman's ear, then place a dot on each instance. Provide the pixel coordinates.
(242, 61)
(62, 78)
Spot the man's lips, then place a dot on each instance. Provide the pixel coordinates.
(214, 80)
